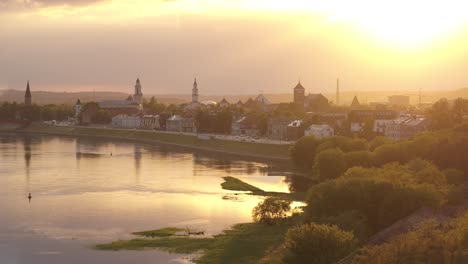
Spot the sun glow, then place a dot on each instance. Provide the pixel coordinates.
(403, 23)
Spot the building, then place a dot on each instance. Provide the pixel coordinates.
(406, 127)
(245, 126)
(278, 128)
(131, 106)
(77, 108)
(358, 118)
(177, 123)
(195, 104)
(27, 96)
(299, 94)
(125, 121)
(239, 104)
(355, 103)
(295, 130)
(316, 102)
(150, 122)
(224, 103)
(399, 100)
(319, 131)
(195, 91)
(138, 95)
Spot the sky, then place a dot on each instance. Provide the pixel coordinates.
(233, 46)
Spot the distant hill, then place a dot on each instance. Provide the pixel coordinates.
(44, 97)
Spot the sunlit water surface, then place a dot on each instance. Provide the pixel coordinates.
(88, 191)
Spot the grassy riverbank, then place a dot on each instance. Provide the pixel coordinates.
(234, 184)
(243, 243)
(246, 149)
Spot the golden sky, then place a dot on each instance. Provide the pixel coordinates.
(236, 46)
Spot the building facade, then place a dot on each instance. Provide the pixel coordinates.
(125, 121)
(319, 131)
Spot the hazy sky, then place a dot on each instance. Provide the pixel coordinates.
(233, 46)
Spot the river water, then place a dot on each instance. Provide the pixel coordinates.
(87, 191)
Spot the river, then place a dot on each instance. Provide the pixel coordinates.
(88, 191)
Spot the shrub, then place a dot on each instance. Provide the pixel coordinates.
(319, 244)
(430, 243)
(271, 211)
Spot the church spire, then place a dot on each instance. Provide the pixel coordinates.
(195, 91)
(27, 95)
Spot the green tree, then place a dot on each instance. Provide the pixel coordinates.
(330, 164)
(318, 244)
(303, 151)
(271, 211)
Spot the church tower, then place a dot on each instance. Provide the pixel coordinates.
(27, 96)
(195, 91)
(77, 108)
(138, 96)
(299, 94)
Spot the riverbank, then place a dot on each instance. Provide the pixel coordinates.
(261, 151)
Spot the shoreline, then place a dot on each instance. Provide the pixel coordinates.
(232, 148)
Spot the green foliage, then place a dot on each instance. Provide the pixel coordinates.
(359, 158)
(163, 232)
(447, 115)
(381, 195)
(183, 245)
(243, 243)
(234, 184)
(303, 151)
(101, 117)
(271, 211)
(454, 176)
(351, 221)
(431, 243)
(318, 244)
(330, 163)
(378, 141)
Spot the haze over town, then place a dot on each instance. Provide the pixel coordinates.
(233, 47)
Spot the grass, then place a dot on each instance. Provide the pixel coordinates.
(183, 245)
(163, 232)
(272, 151)
(244, 243)
(234, 184)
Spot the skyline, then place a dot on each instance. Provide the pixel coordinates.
(232, 47)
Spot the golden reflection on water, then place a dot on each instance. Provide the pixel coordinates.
(101, 190)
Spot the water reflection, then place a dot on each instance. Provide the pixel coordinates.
(82, 193)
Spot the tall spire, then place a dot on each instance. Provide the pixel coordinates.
(27, 95)
(195, 91)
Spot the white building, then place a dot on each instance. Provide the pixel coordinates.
(150, 122)
(319, 131)
(177, 123)
(125, 121)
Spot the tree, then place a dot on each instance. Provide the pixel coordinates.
(330, 163)
(440, 114)
(318, 244)
(271, 211)
(303, 151)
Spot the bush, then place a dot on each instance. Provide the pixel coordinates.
(318, 244)
(271, 211)
(382, 201)
(351, 221)
(454, 176)
(430, 243)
